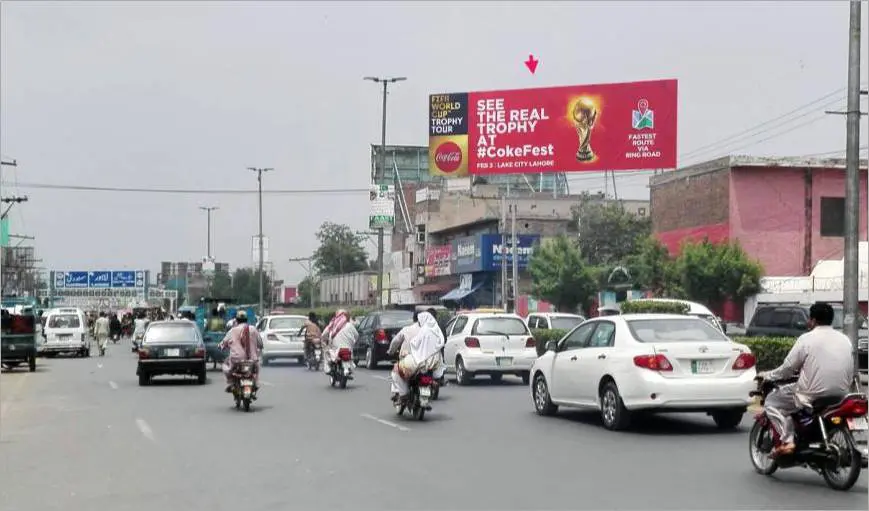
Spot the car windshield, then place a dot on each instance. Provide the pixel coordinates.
(176, 332)
(498, 326)
(564, 322)
(396, 319)
(64, 321)
(294, 324)
(675, 330)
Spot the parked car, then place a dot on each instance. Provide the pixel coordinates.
(632, 363)
(553, 321)
(281, 337)
(376, 331)
(791, 320)
(171, 347)
(489, 344)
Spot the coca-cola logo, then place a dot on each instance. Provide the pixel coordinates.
(448, 157)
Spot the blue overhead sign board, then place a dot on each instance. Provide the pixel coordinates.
(101, 279)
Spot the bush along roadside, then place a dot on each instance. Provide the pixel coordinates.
(541, 337)
(653, 307)
(769, 351)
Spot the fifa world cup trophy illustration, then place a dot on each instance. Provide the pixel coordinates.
(585, 115)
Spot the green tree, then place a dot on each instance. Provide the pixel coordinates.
(560, 276)
(306, 288)
(652, 267)
(608, 233)
(221, 285)
(340, 250)
(713, 273)
(245, 286)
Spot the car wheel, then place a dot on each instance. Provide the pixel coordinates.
(32, 362)
(542, 401)
(728, 419)
(370, 359)
(496, 377)
(301, 361)
(144, 378)
(526, 377)
(612, 410)
(201, 376)
(463, 376)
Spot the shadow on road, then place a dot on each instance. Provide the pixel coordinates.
(656, 425)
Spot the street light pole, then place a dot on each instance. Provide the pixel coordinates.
(208, 210)
(259, 181)
(379, 176)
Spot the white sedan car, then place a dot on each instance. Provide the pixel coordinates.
(492, 344)
(643, 363)
(281, 337)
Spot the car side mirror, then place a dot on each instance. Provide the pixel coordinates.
(551, 346)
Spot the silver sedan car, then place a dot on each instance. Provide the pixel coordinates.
(281, 339)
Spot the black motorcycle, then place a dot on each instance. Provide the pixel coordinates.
(341, 369)
(824, 442)
(314, 357)
(243, 390)
(419, 397)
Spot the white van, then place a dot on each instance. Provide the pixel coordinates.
(65, 331)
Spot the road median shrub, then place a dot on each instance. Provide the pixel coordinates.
(769, 351)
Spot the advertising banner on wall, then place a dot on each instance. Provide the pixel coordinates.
(382, 204)
(466, 256)
(621, 126)
(492, 251)
(437, 260)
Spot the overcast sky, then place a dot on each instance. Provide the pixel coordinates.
(187, 95)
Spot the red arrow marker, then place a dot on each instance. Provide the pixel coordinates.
(531, 63)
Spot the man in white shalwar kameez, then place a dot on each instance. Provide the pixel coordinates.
(422, 354)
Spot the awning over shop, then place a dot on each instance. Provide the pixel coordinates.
(459, 293)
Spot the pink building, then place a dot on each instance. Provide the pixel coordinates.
(788, 213)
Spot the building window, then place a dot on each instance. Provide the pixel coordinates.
(832, 216)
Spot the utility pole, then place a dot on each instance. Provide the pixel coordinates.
(208, 210)
(852, 184)
(11, 201)
(259, 181)
(514, 248)
(379, 176)
(13, 163)
(308, 264)
(503, 228)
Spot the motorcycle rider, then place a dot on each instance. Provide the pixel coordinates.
(398, 344)
(115, 327)
(140, 325)
(822, 358)
(339, 333)
(244, 343)
(423, 353)
(101, 332)
(312, 332)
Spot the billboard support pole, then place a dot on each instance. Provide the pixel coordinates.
(852, 186)
(503, 229)
(515, 249)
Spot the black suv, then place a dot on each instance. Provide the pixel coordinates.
(791, 320)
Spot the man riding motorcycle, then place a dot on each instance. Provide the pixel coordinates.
(398, 344)
(423, 354)
(822, 358)
(312, 333)
(339, 333)
(244, 343)
(139, 326)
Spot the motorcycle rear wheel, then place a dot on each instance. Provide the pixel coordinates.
(246, 402)
(418, 412)
(849, 460)
(760, 459)
(343, 382)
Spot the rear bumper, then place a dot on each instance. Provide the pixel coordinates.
(17, 352)
(289, 350)
(380, 352)
(171, 366)
(65, 347)
(489, 362)
(685, 394)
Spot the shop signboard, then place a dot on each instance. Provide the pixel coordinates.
(466, 256)
(492, 249)
(437, 260)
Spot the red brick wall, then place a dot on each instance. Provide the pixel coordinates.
(691, 201)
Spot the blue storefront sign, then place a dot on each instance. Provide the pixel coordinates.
(492, 256)
(466, 255)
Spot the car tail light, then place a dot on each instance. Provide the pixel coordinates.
(83, 338)
(425, 380)
(530, 343)
(744, 361)
(472, 342)
(199, 353)
(851, 407)
(380, 335)
(144, 353)
(344, 354)
(272, 337)
(653, 362)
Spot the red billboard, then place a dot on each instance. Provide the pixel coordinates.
(621, 126)
(437, 260)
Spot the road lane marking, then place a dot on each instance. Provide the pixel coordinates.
(384, 378)
(99, 366)
(145, 429)
(385, 422)
(113, 385)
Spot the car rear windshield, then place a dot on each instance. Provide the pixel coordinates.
(564, 322)
(177, 332)
(675, 330)
(294, 324)
(396, 319)
(499, 326)
(64, 321)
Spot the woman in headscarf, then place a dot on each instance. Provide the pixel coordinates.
(422, 353)
(339, 333)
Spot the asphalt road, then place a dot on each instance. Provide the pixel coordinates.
(81, 435)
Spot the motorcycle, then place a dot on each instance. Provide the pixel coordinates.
(314, 358)
(422, 386)
(341, 370)
(243, 390)
(824, 439)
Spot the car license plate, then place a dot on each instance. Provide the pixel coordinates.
(173, 353)
(701, 367)
(858, 424)
(504, 361)
(425, 391)
(247, 383)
